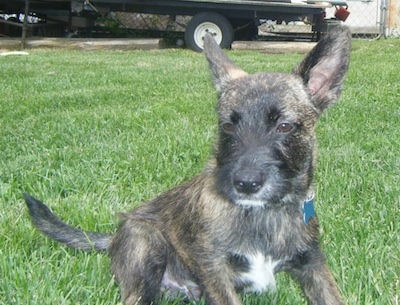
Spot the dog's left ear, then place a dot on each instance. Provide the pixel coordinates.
(324, 68)
(222, 68)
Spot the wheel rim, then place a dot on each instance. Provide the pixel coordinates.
(203, 29)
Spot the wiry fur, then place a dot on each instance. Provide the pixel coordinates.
(233, 226)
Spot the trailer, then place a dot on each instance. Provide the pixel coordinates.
(225, 19)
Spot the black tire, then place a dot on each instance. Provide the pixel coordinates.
(13, 30)
(204, 22)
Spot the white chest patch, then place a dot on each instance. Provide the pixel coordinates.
(261, 273)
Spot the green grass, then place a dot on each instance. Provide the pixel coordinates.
(96, 133)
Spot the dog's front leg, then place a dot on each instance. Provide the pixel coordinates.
(221, 294)
(316, 279)
(215, 279)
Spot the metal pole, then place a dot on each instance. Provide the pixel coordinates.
(384, 15)
(25, 25)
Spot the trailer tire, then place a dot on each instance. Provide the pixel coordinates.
(208, 22)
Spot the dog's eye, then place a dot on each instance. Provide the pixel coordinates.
(284, 127)
(228, 127)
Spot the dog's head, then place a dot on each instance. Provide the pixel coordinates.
(266, 149)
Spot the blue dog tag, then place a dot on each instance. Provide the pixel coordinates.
(308, 210)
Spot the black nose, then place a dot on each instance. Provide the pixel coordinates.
(248, 181)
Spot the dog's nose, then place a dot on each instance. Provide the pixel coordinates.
(248, 181)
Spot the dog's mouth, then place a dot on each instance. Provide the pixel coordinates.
(251, 203)
(264, 197)
(272, 202)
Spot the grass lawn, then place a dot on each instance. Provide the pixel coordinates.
(96, 133)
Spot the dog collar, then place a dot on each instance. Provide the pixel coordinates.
(308, 209)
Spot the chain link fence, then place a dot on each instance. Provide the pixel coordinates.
(152, 22)
(366, 18)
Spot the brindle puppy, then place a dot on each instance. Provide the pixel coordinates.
(246, 216)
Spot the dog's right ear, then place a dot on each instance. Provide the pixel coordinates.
(221, 66)
(324, 68)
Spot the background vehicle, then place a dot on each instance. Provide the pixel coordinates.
(225, 19)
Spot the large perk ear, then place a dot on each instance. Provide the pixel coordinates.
(324, 68)
(221, 66)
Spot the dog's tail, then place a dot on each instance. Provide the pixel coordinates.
(51, 226)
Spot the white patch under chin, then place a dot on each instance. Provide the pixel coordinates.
(250, 203)
(261, 273)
